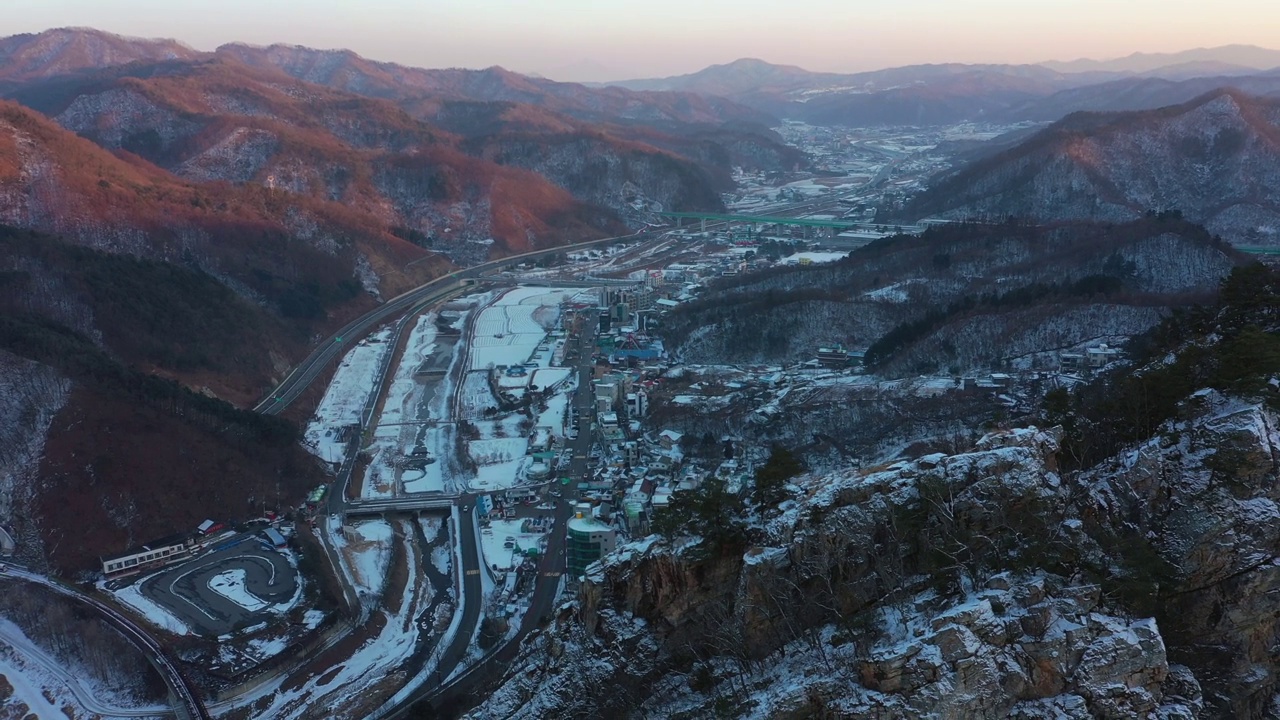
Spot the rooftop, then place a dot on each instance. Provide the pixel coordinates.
(587, 525)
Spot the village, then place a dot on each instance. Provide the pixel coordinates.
(544, 414)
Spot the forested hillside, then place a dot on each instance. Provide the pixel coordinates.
(961, 298)
(1215, 159)
(113, 369)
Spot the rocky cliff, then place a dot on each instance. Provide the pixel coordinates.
(990, 583)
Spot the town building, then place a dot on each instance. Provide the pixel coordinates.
(588, 540)
(146, 556)
(1101, 355)
(834, 357)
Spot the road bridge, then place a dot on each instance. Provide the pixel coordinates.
(831, 225)
(680, 217)
(401, 504)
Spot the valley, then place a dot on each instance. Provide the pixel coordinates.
(337, 387)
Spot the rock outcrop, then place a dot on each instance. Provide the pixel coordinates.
(981, 584)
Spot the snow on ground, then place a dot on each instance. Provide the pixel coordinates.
(895, 293)
(509, 331)
(230, 585)
(446, 637)
(441, 557)
(366, 547)
(501, 462)
(28, 689)
(153, 613)
(500, 476)
(554, 415)
(494, 538)
(40, 681)
(346, 396)
(312, 618)
(366, 671)
(498, 450)
(546, 377)
(475, 396)
(430, 525)
(813, 257)
(404, 394)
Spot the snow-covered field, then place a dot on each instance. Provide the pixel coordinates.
(230, 585)
(153, 613)
(500, 476)
(366, 548)
(509, 331)
(813, 257)
(557, 408)
(346, 396)
(546, 377)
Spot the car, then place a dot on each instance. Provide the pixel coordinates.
(466, 508)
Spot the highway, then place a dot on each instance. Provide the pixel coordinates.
(186, 698)
(305, 373)
(551, 568)
(552, 564)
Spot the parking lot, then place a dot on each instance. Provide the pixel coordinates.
(226, 590)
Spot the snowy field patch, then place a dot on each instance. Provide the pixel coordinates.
(509, 331)
(812, 257)
(230, 585)
(366, 547)
(346, 396)
(154, 614)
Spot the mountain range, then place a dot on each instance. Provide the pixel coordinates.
(295, 188)
(180, 225)
(951, 93)
(1215, 160)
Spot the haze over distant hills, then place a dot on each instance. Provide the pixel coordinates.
(1239, 56)
(950, 93)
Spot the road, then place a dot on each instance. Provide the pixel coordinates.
(185, 591)
(551, 568)
(83, 695)
(187, 703)
(305, 373)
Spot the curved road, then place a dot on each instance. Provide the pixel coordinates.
(185, 591)
(184, 693)
(83, 695)
(301, 377)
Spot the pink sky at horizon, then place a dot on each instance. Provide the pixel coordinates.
(583, 40)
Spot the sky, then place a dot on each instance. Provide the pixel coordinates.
(586, 40)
